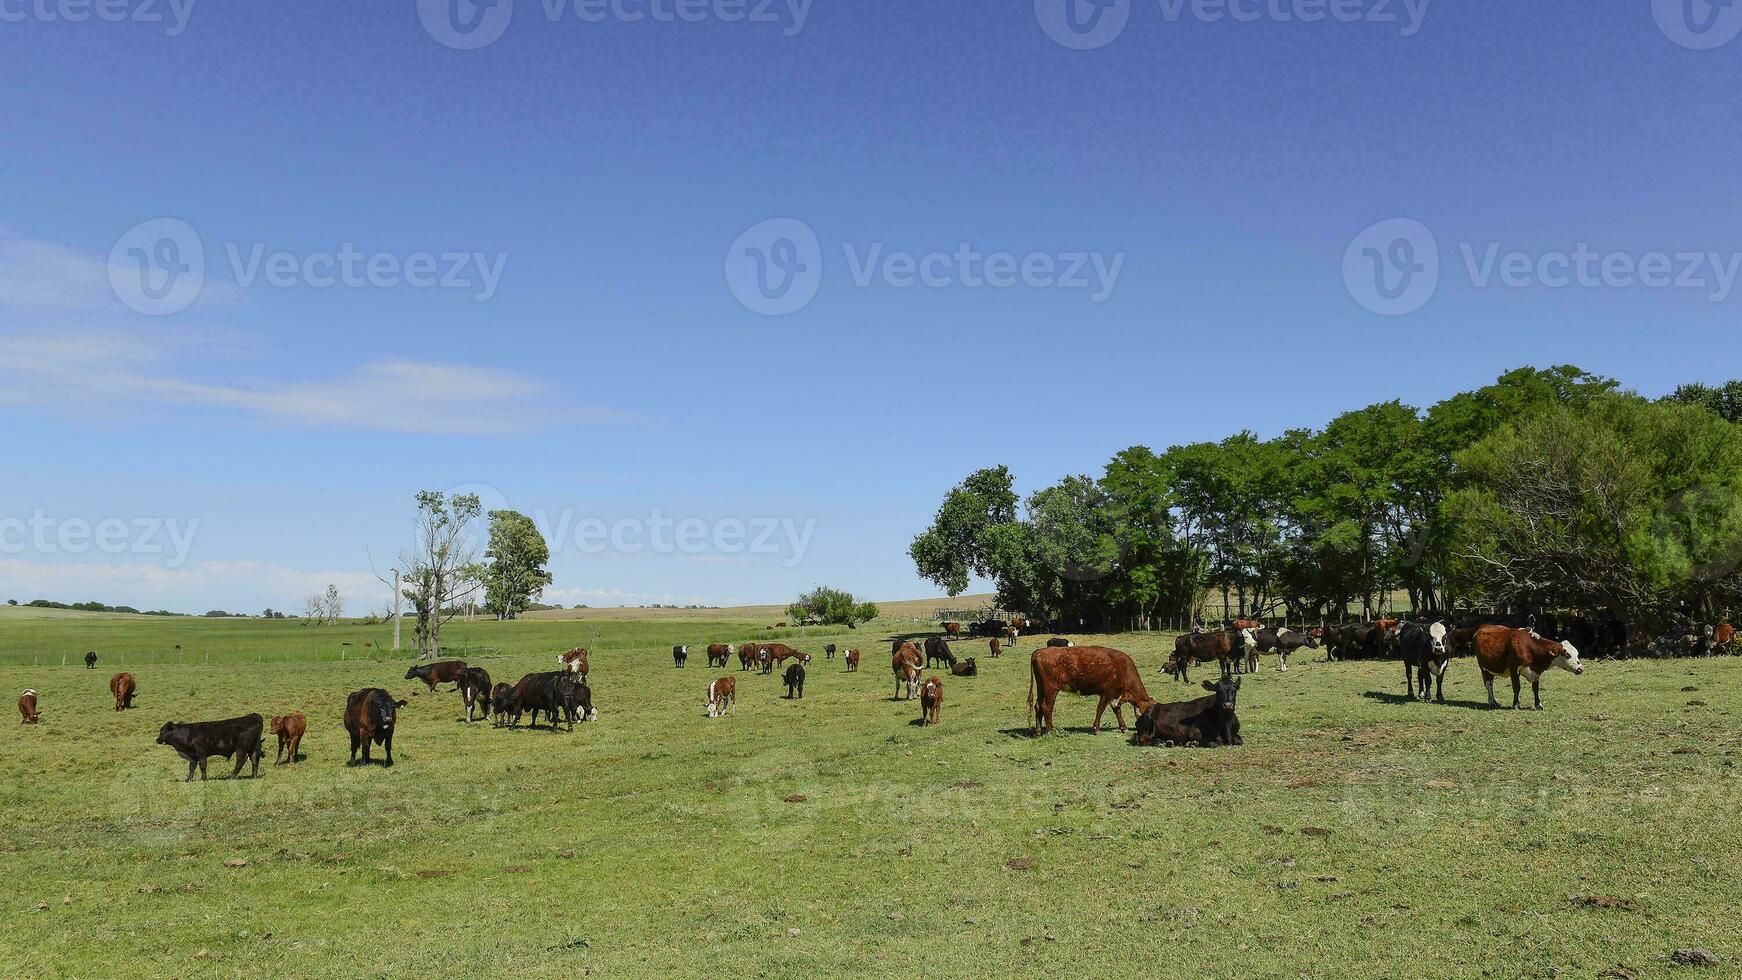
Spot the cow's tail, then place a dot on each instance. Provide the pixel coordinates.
(1033, 673)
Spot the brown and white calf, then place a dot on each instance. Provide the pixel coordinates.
(931, 700)
(723, 696)
(905, 665)
(719, 653)
(27, 707)
(852, 657)
(575, 661)
(1503, 651)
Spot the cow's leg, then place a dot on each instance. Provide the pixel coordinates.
(1119, 715)
(192, 765)
(203, 768)
(1536, 692)
(1047, 704)
(1515, 690)
(1099, 710)
(1440, 684)
(387, 746)
(1488, 679)
(1282, 656)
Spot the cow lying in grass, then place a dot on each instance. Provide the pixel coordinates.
(1208, 721)
(200, 740)
(967, 668)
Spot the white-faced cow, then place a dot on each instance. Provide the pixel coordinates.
(1425, 656)
(723, 696)
(906, 665)
(1502, 651)
(931, 701)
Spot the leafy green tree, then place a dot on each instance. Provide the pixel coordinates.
(830, 607)
(516, 576)
(1724, 401)
(960, 541)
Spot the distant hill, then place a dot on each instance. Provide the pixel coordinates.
(901, 609)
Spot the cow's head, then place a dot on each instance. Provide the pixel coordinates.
(1436, 635)
(416, 672)
(1568, 658)
(1173, 665)
(164, 733)
(1227, 691)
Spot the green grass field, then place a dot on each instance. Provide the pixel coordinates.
(1355, 834)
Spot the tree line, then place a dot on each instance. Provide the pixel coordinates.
(1550, 489)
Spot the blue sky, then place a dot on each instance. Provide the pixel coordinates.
(606, 169)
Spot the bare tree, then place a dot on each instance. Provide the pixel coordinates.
(332, 607)
(440, 572)
(314, 608)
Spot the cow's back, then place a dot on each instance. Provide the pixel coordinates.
(1088, 670)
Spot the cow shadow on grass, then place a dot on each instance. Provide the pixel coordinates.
(1027, 731)
(1387, 697)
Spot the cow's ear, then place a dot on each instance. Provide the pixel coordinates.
(1209, 685)
(1236, 683)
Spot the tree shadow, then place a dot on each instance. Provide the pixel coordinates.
(1387, 697)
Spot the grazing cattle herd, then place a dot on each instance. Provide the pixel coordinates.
(1516, 648)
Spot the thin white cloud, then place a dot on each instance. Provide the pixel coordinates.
(595, 597)
(236, 586)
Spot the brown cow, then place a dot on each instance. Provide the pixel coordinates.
(1246, 624)
(122, 686)
(931, 700)
(440, 672)
(996, 647)
(475, 691)
(782, 653)
(1011, 633)
(723, 696)
(1724, 635)
(27, 707)
(289, 729)
(576, 661)
(953, 629)
(719, 653)
(1104, 672)
(1502, 651)
(905, 665)
(853, 660)
(749, 655)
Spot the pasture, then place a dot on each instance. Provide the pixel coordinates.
(1355, 834)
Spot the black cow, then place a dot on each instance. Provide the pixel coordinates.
(557, 693)
(680, 655)
(829, 650)
(475, 691)
(794, 681)
(198, 741)
(1058, 641)
(1283, 642)
(371, 715)
(1227, 647)
(937, 649)
(1208, 721)
(1426, 653)
(90, 659)
(505, 706)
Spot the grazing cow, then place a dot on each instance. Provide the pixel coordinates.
(1283, 641)
(122, 686)
(1209, 721)
(996, 648)
(905, 664)
(1058, 641)
(953, 629)
(967, 668)
(1503, 651)
(931, 701)
(504, 705)
(829, 651)
(852, 658)
(936, 649)
(475, 690)
(794, 679)
(440, 672)
(27, 708)
(557, 693)
(576, 662)
(781, 653)
(90, 659)
(370, 717)
(765, 660)
(749, 655)
(289, 729)
(200, 740)
(680, 655)
(723, 696)
(719, 654)
(1104, 672)
(1223, 646)
(1425, 656)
